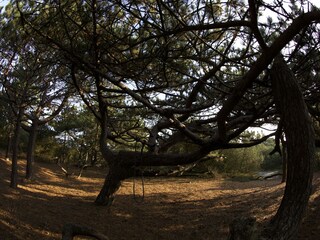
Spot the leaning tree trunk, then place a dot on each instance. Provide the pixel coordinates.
(300, 151)
(116, 171)
(112, 182)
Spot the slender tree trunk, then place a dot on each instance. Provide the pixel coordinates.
(300, 151)
(9, 145)
(93, 157)
(31, 148)
(95, 149)
(15, 150)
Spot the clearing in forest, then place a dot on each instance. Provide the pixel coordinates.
(173, 208)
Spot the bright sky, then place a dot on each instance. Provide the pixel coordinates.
(315, 2)
(3, 2)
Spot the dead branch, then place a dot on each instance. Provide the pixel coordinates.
(182, 170)
(83, 168)
(65, 171)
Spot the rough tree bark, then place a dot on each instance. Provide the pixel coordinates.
(300, 142)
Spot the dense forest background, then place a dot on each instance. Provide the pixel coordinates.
(71, 139)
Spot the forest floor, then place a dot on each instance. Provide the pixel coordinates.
(172, 208)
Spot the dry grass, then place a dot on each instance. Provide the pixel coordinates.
(173, 208)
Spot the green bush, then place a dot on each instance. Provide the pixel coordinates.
(242, 160)
(271, 162)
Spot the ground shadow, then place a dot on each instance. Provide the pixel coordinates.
(172, 208)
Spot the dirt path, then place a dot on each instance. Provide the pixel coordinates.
(174, 208)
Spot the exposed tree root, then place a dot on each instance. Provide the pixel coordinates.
(71, 230)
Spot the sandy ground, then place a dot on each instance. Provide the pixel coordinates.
(172, 208)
